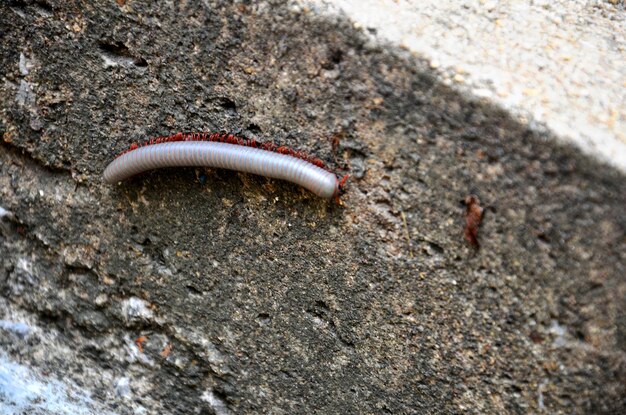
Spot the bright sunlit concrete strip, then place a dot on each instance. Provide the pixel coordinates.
(558, 63)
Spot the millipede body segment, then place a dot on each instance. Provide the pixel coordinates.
(226, 151)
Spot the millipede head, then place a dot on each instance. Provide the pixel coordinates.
(340, 190)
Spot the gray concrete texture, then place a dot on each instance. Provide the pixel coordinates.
(208, 291)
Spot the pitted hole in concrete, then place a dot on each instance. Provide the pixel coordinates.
(228, 105)
(41, 7)
(118, 54)
(263, 319)
(193, 290)
(254, 129)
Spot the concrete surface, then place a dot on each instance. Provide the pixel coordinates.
(208, 291)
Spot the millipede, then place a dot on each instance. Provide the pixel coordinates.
(227, 151)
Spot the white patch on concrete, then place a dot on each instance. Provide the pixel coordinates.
(27, 267)
(540, 388)
(20, 329)
(208, 350)
(23, 391)
(25, 96)
(122, 387)
(25, 64)
(218, 405)
(5, 213)
(108, 62)
(136, 309)
(559, 332)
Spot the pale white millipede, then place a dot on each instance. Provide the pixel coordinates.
(226, 151)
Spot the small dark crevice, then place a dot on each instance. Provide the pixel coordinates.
(118, 52)
(436, 247)
(193, 290)
(264, 318)
(321, 304)
(227, 104)
(43, 7)
(80, 269)
(222, 398)
(254, 129)
(430, 248)
(40, 6)
(117, 48)
(286, 374)
(29, 159)
(333, 58)
(322, 312)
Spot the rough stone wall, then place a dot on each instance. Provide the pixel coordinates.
(208, 291)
